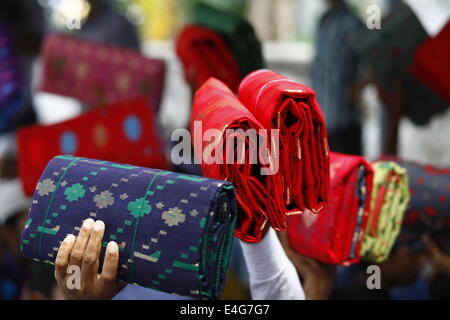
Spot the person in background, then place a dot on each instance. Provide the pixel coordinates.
(440, 278)
(394, 105)
(19, 277)
(402, 268)
(12, 264)
(107, 25)
(26, 24)
(335, 77)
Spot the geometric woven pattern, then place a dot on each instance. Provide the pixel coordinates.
(174, 231)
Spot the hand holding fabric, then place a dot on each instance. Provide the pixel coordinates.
(83, 253)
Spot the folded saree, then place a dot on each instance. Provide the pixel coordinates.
(126, 132)
(259, 195)
(174, 231)
(280, 103)
(431, 63)
(238, 34)
(390, 198)
(335, 235)
(388, 53)
(204, 54)
(428, 211)
(11, 95)
(99, 74)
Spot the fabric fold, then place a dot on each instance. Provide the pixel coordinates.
(204, 54)
(259, 196)
(282, 104)
(390, 198)
(126, 132)
(174, 231)
(334, 236)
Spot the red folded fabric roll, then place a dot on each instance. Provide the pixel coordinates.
(125, 133)
(99, 74)
(335, 235)
(432, 63)
(280, 103)
(204, 54)
(259, 196)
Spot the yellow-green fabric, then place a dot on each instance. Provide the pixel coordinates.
(382, 232)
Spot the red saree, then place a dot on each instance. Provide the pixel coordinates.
(204, 54)
(124, 133)
(280, 103)
(259, 196)
(335, 235)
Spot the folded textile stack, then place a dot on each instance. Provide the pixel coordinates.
(389, 53)
(429, 209)
(174, 231)
(126, 132)
(280, 103)
(98, 74)
(390, 198)
(204, 55)
(431, 63)
(11, 95)
(280, 181)
(335, 235)
(259, 196)
(238, 34)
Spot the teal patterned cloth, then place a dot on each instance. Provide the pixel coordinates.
(174, 231)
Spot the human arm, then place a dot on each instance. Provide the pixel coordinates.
(272, 274)
(317, 277)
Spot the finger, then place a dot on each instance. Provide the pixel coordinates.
(62, 259)
(80, 244)
(89, 265)
(109, 272)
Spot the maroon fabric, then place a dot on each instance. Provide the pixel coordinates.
(99, 74)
